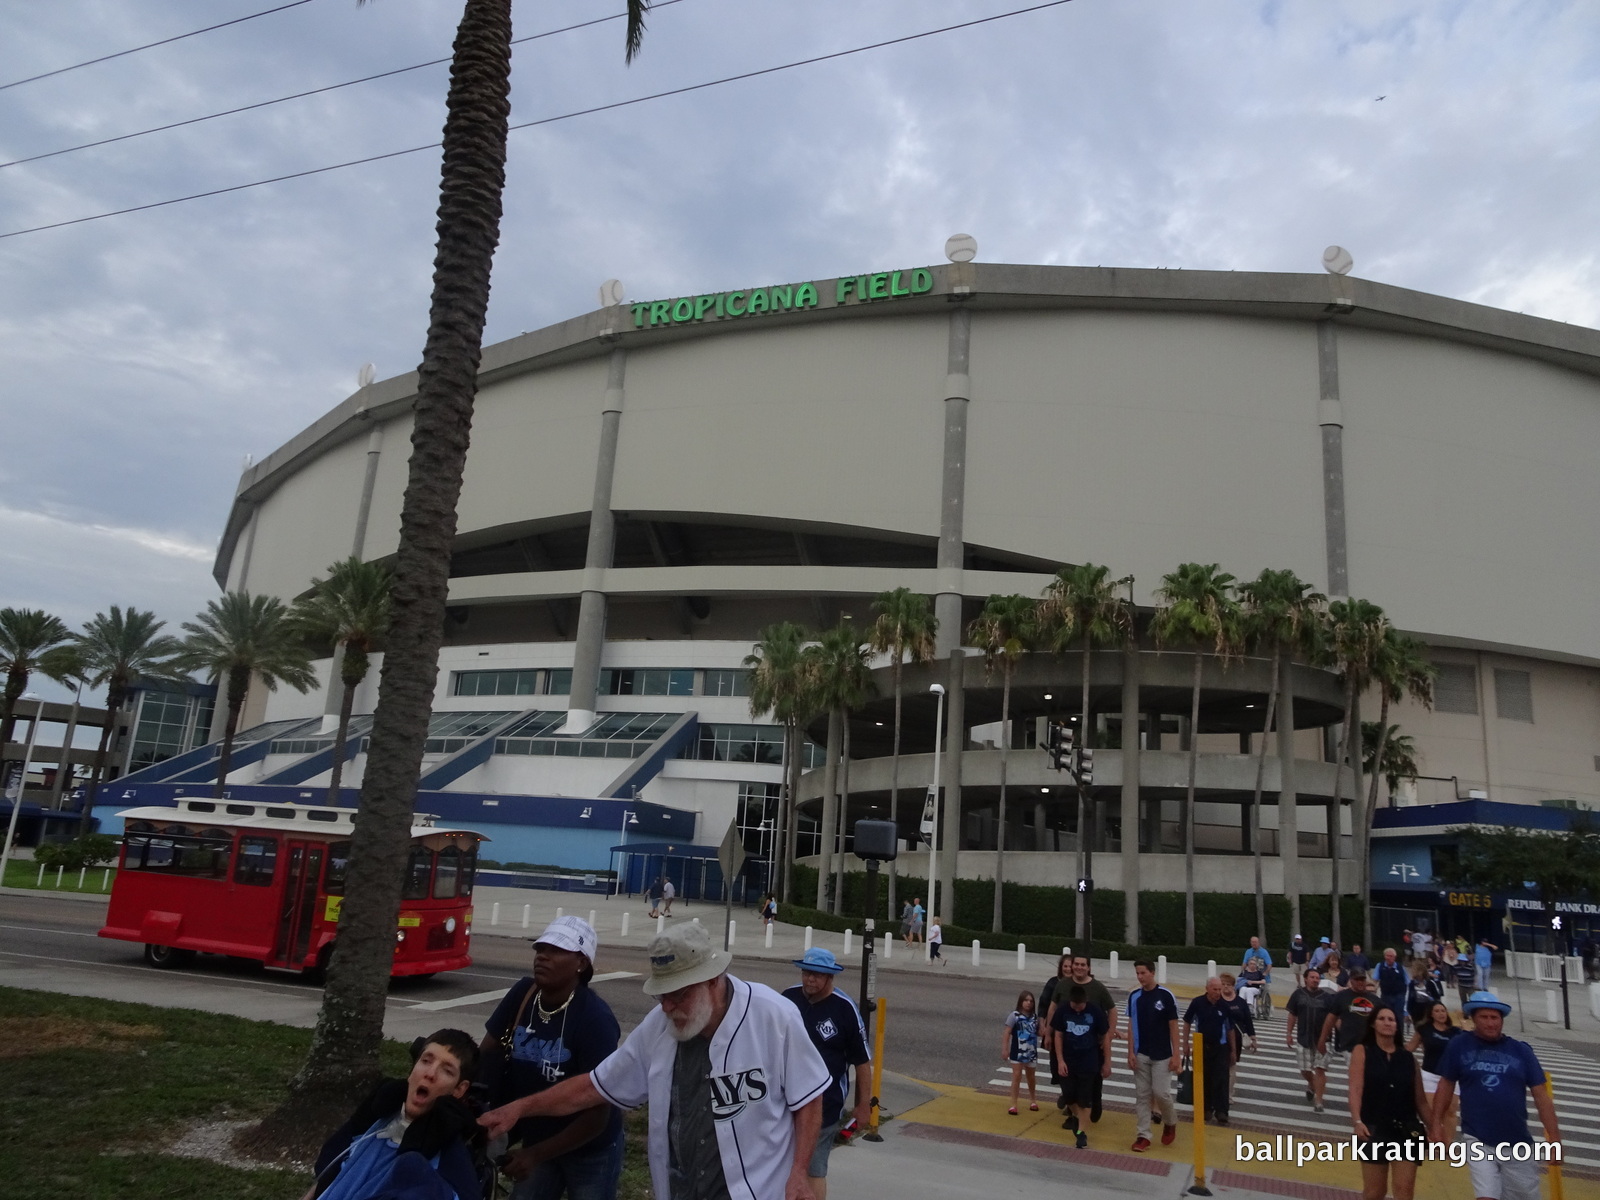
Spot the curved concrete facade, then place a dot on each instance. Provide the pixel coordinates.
(1433, 456)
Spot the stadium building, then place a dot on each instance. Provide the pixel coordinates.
(650, 484)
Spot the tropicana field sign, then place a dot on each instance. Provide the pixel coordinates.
(721, 306)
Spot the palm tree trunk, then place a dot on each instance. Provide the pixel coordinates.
(344, 1049)
(238, 687)
(844, 817)
(1080, 919)
(792, 812)
(1255, 804)
(1000, 831)
(1365, 863)
(894, 773)
(114, 701)
(1188, 806)
(1335, 816)
(346, 703)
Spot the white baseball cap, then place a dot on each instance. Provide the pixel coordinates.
(570, 933)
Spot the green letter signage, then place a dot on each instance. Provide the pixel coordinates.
(851, 289)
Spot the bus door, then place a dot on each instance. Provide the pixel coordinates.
(299, 910)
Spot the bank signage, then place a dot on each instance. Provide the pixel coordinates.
(786, 297)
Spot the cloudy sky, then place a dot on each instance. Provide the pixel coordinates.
(1451, 146)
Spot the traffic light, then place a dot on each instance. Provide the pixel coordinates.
(1086, 766)
(1086, 886)
(1058, 741)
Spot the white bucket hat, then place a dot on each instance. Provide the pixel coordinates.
(683, 956)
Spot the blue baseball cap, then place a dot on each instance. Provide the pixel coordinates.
(819, 960)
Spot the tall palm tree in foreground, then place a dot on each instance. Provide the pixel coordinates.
(115, 649)
(1356, 632)
(343, 1058)
(26, 636)
(905, 627)
(236, 637)
(1081, 605)
(1400, 669)
(1005, 630)
(1280, 614)
(1198, 609)
(348, 610)
(779, 685)
(841, 680)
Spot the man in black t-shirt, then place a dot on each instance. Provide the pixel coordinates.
(1307, 1008)
(1349, 1010)
(1081, 1048)
(834, 1023)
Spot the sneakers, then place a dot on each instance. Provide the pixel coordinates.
(1070, 1123)
(1316, 1108)
(1140, 1145)
(1220, 1119)
(1311, 1097)
(1061, 1102)
(1083, 1140)
(1169, 1134)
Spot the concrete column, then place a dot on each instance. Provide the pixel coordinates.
(1330, 415)
(1039, 826)
(591, 636)
(1130, 794)
(358, 546)
(1485, 720)
(1288, 801)
(830, 809)
(947, 601)
(249, 549)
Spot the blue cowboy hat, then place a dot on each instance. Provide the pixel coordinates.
(819, 960)
(1485, 1000)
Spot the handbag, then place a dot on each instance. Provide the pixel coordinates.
(493, 1069)
(1185, 1086)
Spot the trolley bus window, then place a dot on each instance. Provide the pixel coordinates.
(257, 861)
(469, 868)
(447, 874)
(419, 872)
(338, 864)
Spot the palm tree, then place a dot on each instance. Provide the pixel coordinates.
(780, 685)
(905, 626)
(116, 648)
(236, 637)
(1356, 630)
(1399, 751)
(1197, 609)
(1401, 669)
(343, 1058)
(350, 610)
(1081, 604)
(1280, 614)
(26, 636)
(841, 680)
(1005, 629)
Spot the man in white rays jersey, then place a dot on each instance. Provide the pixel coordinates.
(733, 1082)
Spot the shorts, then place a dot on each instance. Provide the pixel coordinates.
(1023, 1058)
(817, 1168)
(1430, 1083)
(1502, 1180)
(1080, 1088)
(1309, 1060)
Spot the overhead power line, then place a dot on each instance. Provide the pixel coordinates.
(582, 112)
(89, 62)
(332, 87)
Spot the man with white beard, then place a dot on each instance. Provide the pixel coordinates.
(733, 1081)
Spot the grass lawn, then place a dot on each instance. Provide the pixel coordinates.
(26, 875)
(94, 1089)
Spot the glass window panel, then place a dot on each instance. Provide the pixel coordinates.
(338, 867)
(447, 873)
(558, 682)
(419, 872)
(257, 861)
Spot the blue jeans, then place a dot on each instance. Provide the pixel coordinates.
(588, 1173)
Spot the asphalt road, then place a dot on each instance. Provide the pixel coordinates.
(944, 1029)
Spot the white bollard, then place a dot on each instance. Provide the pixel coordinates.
(1161, 970)
(1211, 967)
(1066, 951)
(625, 924)
(105, 881)
(769, 937)
(560, 912)
(808, 937)
(697, 920)
(527, 914)
(59, 872)
(82, 871)
(1022, 956)
(888, 943)
(1552, 1007)
(40, 883)
(494, 913)
(591, 918)
(661, 925)
(847, 935)
(733, 927)
(1594, 1001)
(975, 949)
(1114, 965)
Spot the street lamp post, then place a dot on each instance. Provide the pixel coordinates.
(22, 784)
(933, 834)
(629, 817)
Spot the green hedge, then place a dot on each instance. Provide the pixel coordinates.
(1045, 915)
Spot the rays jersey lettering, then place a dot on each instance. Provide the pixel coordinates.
(827, 1030)
(730, 1094)
(546, 1053)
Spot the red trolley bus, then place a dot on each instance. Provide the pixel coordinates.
(266, 881)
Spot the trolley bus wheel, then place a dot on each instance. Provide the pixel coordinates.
(318, 974)
(167, 956)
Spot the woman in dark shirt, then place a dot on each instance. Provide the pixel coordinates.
(1433, 1034)
(1387, 1107)
(548, 1028)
